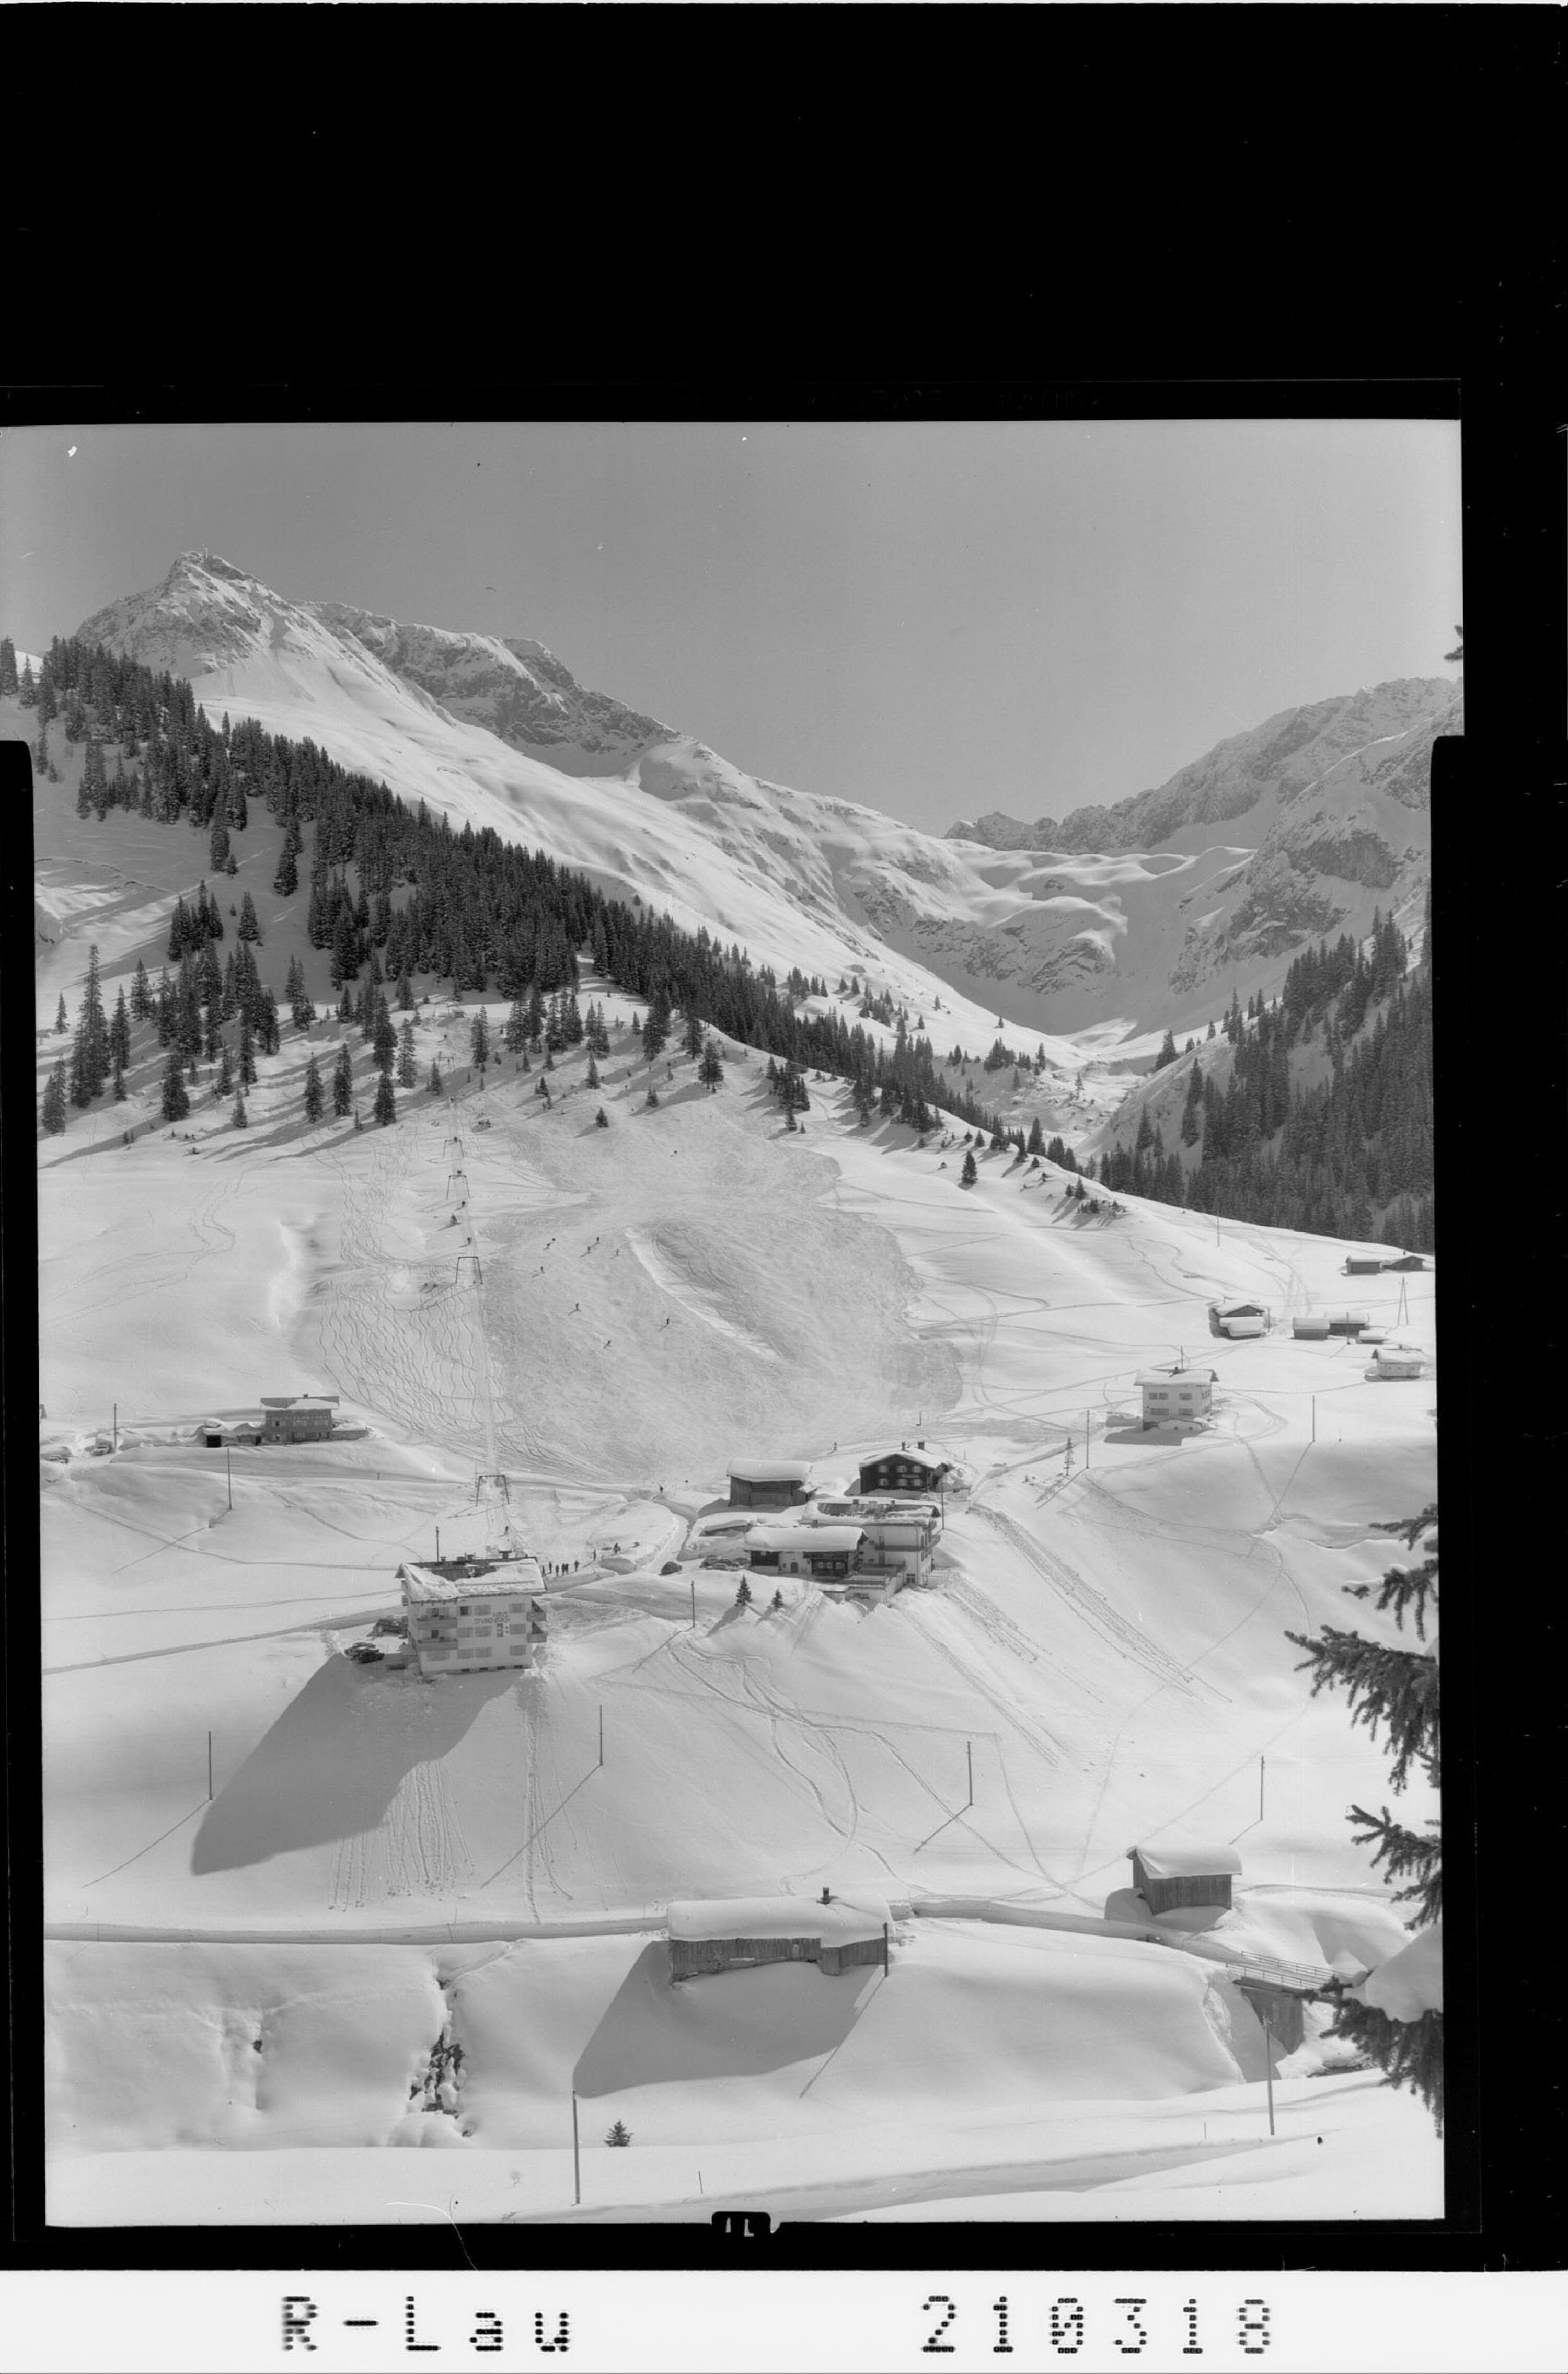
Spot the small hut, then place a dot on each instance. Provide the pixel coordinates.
(1408, 1261)
(1348, 1323)
(1313, 1329)
(1238, 1318)
(769, 1483)
(1182, 1871)
(838, 1933)
(1364, 1264)
(1397, 1360)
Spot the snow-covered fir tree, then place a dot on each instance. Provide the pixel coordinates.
(1394, 1690)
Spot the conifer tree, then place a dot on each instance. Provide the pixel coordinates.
(711, 1070)
(62, 1019)
(51, 1112)
(343, 1083)
(250, 929)
(776, 1602)
(480, 1038)
(655, 1032)
(286, 880)
(1394, 1690)
(592, 1076)
(653, 1097)
(385, 1107)
(970, 1172)
(383, 1036)
(238, 1117)
(407, 1075)
(1036, 1144)
(743, 1596)
(692, 1034)
(1167, 1052)
(434, 1082)
(225, 1077)
(247, 1052)
(218, 847)
(601, 1119)
(315, 1095)
(7, 665)
(175, 1102)
(120, 1032)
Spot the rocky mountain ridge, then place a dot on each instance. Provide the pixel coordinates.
(1176, 898)
(1286, 756)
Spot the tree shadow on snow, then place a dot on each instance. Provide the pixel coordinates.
(333, 1760)
(736, 2024)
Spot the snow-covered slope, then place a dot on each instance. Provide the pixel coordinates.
(1187, 894)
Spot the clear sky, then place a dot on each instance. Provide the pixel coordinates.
(936, 619)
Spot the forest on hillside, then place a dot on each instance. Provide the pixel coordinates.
(1349, 1156)
(393, 893)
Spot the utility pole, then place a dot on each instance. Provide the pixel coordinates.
(1268, 2066)
(437, 1545)
(601, 1735)
(210, 1768)
(116, 1424)
(228, 1467)
(969, 1759)
(576, 2161)
(1260, 1764)
(692, 1626)
(1086, 1416)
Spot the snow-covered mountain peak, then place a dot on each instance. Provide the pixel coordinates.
(1116, 923)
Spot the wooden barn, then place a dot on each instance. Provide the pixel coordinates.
(838, 1933)
(1313, 1329)
(1407, 1261)
(770, 1483)
(1176, 1394)
(825, 1551)
(474, 1615)
(1238, 1319)
(1364, 1264)
(910, 1469)
(1348, 1323)
(298, 1417)
(1182, 1871)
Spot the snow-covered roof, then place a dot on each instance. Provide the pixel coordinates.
(1174, 1377)
(296, 1400)
(914, 1458)
(1188, 1859)
(770, 1471)
(422, 1583)
(821, 1538)
(841, 1923)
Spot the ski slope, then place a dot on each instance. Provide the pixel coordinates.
(1103, 1648)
